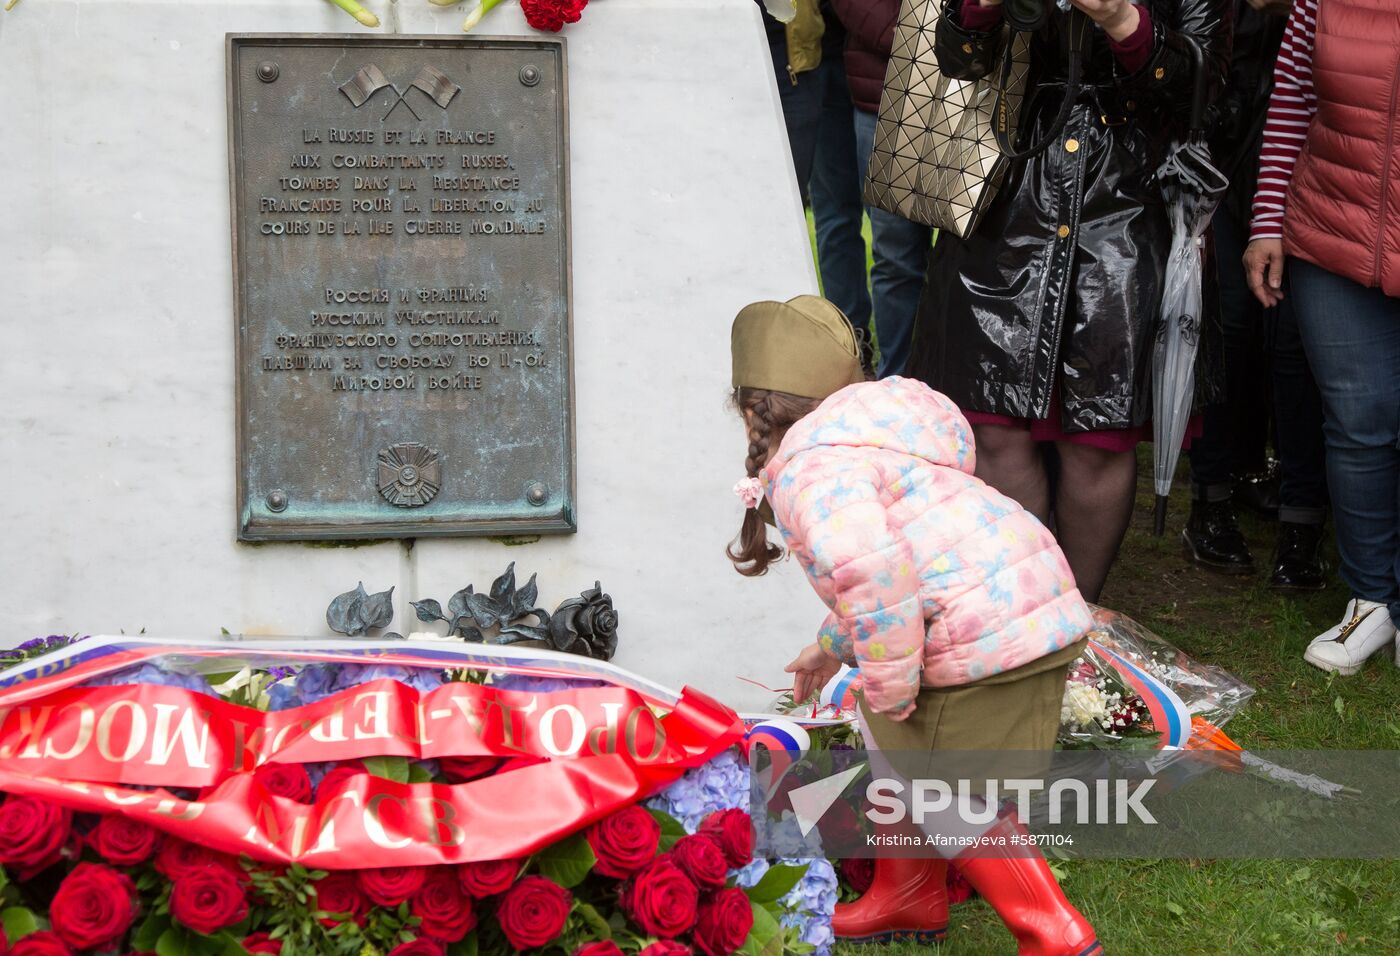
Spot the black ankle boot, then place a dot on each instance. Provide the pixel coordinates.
(1258, 490)
(1213, 539)
(1298, 564)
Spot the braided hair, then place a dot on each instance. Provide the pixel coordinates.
(767, 415)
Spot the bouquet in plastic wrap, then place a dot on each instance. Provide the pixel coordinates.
(1133, 689)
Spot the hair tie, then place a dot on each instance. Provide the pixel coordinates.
(750, 491)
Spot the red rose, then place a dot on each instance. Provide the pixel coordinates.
(93, 907)
(661, 899)
(551, 15)
(288, 780)
(487, 878)
(734, 831)
(533, 912)
(179, 858)
(338, 774)
(604, 947)
(858, 873)
(701, 859)
(462, 769)
(446, 913)
(33, 833)
(422, 946)
(41, 944)
(208, 900)
(339, 894)
(724, 923)
(122, 840)
(667, 947)
(262, 943)
(392, 885)
(624, 842)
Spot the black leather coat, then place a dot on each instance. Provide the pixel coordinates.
(1058, 288)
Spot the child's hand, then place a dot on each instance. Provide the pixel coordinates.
(813, 667)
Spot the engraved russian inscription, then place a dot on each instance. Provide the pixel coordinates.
(401, 281)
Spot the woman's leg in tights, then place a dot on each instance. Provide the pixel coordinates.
(1011, 463)
(1093, 506)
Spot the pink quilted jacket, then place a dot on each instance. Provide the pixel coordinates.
(933, 578)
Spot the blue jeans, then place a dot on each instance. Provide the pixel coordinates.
(1352, 337)
(901, 251)
(817, 111)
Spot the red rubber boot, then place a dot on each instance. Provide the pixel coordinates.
(1029, 901)
(907, 902)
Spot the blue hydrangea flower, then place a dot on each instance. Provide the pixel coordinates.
(542, 685)
(316, 682)
(152, 674)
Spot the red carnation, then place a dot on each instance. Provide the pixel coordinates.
(604, 947)
(551, 15)
(179, 858)
(701, 859)
(724, 923)
(123, 841)
(392, 885)
(661, 899)
(488, 877)
(33, 833)
(340, 896)
(288, 780)
(262, 943)
(734, 831)
(667, 947)
(422, 946)
(533, 912)
(94, 906)
(445, 912)
(462, 769)
(41, 944)
(858, 873)
(208, 900)
(624, 842)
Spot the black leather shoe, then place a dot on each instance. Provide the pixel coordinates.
(1214, 541)
(1298, 563)
(1258, 490)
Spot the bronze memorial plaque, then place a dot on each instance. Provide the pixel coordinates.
(401, 282)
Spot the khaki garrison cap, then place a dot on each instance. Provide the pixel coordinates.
(804, 346)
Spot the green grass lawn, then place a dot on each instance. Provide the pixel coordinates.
(1294, 907)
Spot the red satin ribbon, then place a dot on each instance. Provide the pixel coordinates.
(604, 750)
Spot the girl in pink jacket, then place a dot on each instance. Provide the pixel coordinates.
(955, 602)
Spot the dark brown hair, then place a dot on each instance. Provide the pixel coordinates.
(772, 413)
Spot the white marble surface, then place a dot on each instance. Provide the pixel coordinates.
(118, 430)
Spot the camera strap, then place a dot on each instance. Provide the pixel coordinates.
(1079, 25)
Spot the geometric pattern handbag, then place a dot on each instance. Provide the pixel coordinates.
(935, 160)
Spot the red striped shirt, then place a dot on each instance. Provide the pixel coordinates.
(1291, 111)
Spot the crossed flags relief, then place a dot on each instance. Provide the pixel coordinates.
(370, 79)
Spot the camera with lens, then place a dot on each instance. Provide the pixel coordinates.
(1026, 15)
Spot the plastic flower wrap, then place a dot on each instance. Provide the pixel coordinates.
(1131, 685)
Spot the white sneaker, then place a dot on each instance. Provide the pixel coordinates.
(1365, 629)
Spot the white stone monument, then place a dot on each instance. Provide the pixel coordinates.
(118, 432)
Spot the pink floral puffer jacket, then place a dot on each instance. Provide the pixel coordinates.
(933, 578)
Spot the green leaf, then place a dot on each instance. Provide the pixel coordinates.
(149, 932)
(567, 863)
(1339, 705)
(598, 926)
(229, 946)
(671, 829)
(388, 768)
(776, 883)
(766, 937)
(1176, 910)
(18, 922)
(174, 942)
(417, 773)
(465, 947)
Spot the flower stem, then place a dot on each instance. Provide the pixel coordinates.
(482, 8)
(445, 3)
(358, 12)
(11, 5)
